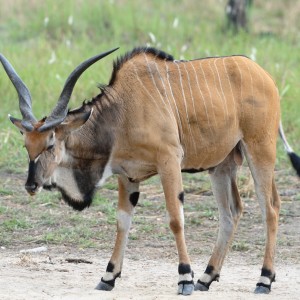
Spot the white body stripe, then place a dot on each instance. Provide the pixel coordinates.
(193, 102)
(210, 96)
(154, 83)
(219, 95)
(241, 86)
(184, 102)
(174, 101)
(203, 101)
(252, 92)
(163, 84)
(233, 100)
(143, 86)
(222, 91)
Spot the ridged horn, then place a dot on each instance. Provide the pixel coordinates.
(60, 111)
(24, 95)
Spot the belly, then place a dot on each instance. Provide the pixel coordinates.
(202, 152)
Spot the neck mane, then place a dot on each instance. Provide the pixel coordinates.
(88, 151)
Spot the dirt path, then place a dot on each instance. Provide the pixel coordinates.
(150, 267)
(47, 275)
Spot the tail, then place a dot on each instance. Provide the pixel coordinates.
(295, 159)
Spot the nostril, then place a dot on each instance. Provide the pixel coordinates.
(31, 187)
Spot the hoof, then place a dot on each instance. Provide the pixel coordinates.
(103, 286)
(262, 290)
(185, 288)
(200, 287)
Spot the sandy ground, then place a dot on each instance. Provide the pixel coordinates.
(47, 275)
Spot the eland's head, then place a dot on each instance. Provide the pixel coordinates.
(44, 139)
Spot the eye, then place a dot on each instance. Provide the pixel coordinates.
(50, 147)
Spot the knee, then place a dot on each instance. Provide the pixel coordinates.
(176, 225)
(227, 225)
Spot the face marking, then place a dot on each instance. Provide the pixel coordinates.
(37, 158)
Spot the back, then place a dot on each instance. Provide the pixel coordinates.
(203, 106)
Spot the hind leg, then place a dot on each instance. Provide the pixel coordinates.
(223, 179)
(261, 161)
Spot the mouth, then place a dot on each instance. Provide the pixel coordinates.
(33, 190)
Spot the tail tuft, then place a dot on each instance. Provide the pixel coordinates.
(295, 160)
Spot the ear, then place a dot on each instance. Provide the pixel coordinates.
(74, 120)
(17, 123)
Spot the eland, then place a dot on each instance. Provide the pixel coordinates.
(163, 116)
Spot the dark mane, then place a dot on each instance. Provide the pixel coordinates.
(86, 104)
(121, 60)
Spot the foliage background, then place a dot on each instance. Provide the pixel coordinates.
(44, 40)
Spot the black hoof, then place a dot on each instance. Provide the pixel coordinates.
(262, 290)
(185, 288)
(103, 286)
(201, 287)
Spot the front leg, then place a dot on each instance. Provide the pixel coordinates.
(170, 174)
(128, 198)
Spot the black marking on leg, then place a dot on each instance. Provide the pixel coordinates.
(184, 268)
(185, 287)
(204, 286)
(181, 197)
(134, 197)
(209, 269)
(266, 273)
(207, 284)
(110, 267)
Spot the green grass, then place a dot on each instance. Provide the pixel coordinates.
(31, 32)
